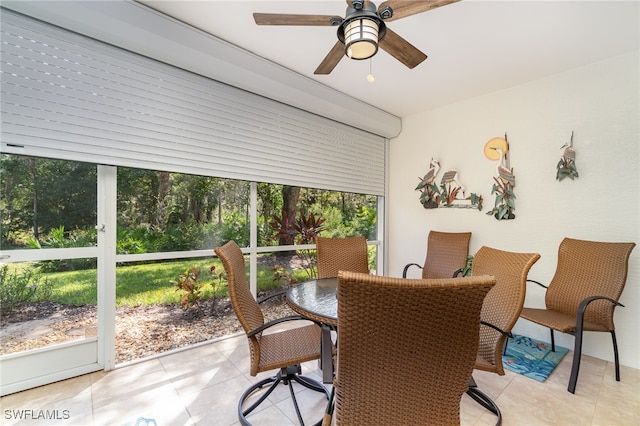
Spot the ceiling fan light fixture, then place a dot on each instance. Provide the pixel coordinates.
(361, 38)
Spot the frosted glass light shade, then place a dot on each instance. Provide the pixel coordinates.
(361, 38)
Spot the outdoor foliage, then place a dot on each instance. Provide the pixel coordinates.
(47, 203)
(52, 203)
(301, 230)
(191, 288)
(18, 287)
(284, 276)
(37, 195)
(148, 284)
(58, 238)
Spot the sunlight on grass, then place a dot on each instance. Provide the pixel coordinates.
(147, 284)
(152, 283)
(74, 287)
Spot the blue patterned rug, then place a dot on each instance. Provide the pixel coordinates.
(532, 358)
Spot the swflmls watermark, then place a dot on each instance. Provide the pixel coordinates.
(29, 414)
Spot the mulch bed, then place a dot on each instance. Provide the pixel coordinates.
(141, 331)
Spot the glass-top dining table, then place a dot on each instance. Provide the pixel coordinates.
(316, 299)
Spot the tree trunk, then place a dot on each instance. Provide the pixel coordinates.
(290, 195)
(164, 186)
(34, 179)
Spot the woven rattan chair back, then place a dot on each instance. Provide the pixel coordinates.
(341, 254)
(406, 348)
(589, 268)
(503, 304)
(267, 351)
(244, 304)
(583, 294)
(446, 252)
(285, 349)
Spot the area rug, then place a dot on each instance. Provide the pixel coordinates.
(532, 358)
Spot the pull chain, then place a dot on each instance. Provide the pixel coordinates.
(370, 77)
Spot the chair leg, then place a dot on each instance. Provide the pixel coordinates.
(328, 413)
(553, 340)
(326, 358)
(295, 401)
(275, 381)
(484, 400)
(311, 384)
(286, 375)
(615, 354)
(577, 354)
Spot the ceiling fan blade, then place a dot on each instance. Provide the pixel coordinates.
(331, 60)
(402, 8)
(290, 19)
(401, 49)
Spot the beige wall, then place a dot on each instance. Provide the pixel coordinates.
(601, 104)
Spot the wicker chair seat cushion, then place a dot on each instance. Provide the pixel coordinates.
(558, 321)
(293, 346)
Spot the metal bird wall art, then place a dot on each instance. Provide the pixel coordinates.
(450, 193)
(453, 189)
(566, 167)
(505, 180)
(429, 194)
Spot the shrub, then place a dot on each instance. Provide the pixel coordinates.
(235, 227)
(17, 288)
(191, 288)
(58, 238)
(188, 284)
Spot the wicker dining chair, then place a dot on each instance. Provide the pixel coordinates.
(341, 254)
(500, 310)
(446, 253)
(406, 348)
(283, 350)
(583, 294)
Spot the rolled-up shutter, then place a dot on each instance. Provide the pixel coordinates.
(70, 97)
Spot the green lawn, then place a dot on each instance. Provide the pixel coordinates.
(147, 284)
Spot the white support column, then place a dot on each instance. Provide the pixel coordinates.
(253, 238)
(106, 226)
(383, 218)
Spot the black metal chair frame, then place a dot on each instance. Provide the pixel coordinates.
(286, 375)
(484, 400)
(479, 396)
(578, 332)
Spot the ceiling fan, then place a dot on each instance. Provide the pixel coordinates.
(362, 30)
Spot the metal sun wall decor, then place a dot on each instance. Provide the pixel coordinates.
(450, 193)
(505, 180)
(567, 164)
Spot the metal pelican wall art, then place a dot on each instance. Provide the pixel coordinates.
(505, 180)
(566, 167)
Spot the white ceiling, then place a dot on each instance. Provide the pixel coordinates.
(474, 46)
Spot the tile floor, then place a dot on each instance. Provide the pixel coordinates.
(201, 386)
